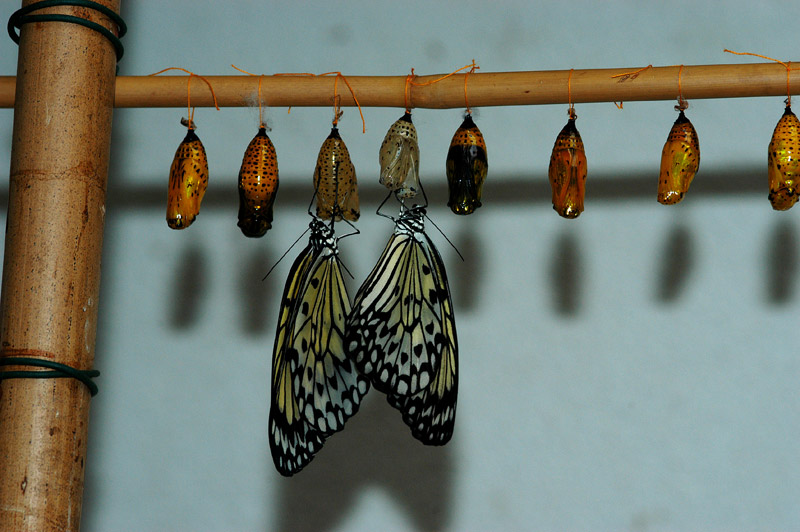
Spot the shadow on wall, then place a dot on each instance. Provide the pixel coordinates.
(675, 264)
(781, 263)
(566, 274)
(376, 450)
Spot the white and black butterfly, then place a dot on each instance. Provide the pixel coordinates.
(315, 385)
(401, 331)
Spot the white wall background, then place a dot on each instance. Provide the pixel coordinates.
(636, 369)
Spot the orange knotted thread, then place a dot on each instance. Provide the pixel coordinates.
(632, 74)
(260, 104)
(472, 68)
(337, 112)
(189, 108)
(788, 66)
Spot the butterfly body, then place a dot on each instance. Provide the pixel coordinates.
(680, 160)
(188, 179)
(783, 162)
(258, 185)
(567, 172)
(467, 166)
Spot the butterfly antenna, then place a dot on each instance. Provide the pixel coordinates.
(285, 253)
(445, 237)
(378, 210)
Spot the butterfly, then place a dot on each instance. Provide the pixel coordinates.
(188, 179)
(315, 385)
(402, 334)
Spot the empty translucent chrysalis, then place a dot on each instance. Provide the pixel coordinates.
(399, 159)
(567, 172)
(467, 166)
(188, 179)
(335, 181)
(258, 185)
(680, 160)
(783, 168)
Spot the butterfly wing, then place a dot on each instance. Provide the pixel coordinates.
(431, 412)
(292, 442)
(328, 387)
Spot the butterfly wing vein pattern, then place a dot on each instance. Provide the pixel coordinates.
(402, 333)
(315, 387)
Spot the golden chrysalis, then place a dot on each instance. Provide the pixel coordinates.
(783, 162)
(399, 159)
(467, 166)
(258, 185)
(335, 181)
(567, 172)
(188, 179)
(680, 160)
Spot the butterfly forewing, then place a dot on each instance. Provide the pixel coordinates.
(292, 442)
(326, 383)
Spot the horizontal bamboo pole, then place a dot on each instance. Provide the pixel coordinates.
(484, 89)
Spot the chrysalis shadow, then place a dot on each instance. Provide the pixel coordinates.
(566, 275)
(466, 277)
(375, 449)
(781, 263)
(257, 296)
(188, 288)
(675, 264)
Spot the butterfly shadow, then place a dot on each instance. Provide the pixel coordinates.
(781, 263)
(376, 449)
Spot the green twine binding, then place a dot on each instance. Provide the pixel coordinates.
(59, 371)
(21, 17)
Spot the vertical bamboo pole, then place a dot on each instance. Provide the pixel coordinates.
(51, 271)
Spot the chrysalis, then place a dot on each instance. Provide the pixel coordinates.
(783, 168)
(680, 160)
(258, 185)
(335, 181)
(188, 179)
(399, 159)
(466, 168)
(568, 172)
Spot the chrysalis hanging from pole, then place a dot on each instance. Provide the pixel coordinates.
(783, 162)
(188, 179)
(467, 166)
(258, 185)
(335, 181)
(567, 171)
(399, 159)
(680, 160)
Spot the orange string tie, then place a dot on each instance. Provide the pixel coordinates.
(409, 80)
(571, 110)
(189, 108)
(629, 75)
(260, 112)
(466, 76)
(788, 71)
(682, 103)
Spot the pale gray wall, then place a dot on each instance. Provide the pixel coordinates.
(635, 369)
